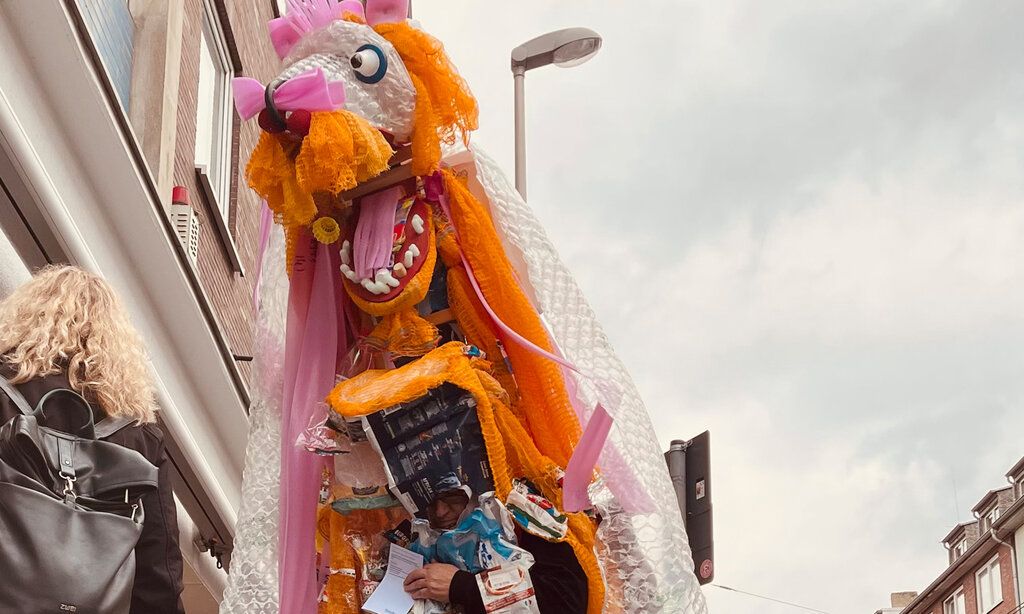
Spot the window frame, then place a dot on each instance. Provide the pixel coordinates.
(987, 569)
(949, 605)
(218, 171)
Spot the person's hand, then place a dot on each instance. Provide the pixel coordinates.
(431, 582)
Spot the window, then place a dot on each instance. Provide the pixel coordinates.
(956, 604)
(989, 519)
(990, 589)
(959, 548)
(213, 110)
(1018, 487)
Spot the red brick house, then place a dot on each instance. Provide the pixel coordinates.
(984, 558)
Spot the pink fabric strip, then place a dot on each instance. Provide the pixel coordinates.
(311, 355)
(266, 220)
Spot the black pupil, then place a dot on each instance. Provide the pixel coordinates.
(357, 60)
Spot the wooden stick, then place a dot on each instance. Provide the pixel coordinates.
(388, 178)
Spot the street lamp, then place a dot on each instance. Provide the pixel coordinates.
(565, 48)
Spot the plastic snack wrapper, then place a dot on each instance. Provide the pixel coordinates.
(535, 514)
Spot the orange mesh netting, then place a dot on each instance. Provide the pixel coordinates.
(466, 309)
(543, 400)
(354, 539)
(477, 327)
(445, 107)
(341, 150)
(403, 333)
(510, 449)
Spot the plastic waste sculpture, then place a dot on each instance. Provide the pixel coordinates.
(400, 343)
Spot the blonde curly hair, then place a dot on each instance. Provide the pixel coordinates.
(68, 320)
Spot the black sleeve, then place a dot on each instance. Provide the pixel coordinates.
(464, 592)
(158, 571)
(558, 580)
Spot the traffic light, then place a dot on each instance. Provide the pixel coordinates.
(689, 465)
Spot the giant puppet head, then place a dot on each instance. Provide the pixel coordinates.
(358, 86)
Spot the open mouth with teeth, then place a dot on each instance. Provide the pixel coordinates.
(390, 244)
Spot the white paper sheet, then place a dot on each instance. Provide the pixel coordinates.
(390, 596)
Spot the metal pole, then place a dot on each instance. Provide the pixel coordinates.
(519, 73)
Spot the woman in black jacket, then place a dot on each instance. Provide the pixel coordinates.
(66, 328)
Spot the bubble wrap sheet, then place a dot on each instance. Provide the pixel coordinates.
(252, 584)
(645, 556)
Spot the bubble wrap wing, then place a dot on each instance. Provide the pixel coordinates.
(645, 555)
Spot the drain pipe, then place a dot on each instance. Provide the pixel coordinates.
(1013, 563)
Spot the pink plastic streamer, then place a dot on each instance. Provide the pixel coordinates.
(372, 242)
(311, 351)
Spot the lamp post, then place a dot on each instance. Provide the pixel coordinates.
(565, 48)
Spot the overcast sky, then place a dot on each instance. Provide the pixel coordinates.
(801, 224)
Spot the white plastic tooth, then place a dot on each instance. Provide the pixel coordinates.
(415, 250)
(417, 224)
(407, 260)
(386, 280)
(366, 283)
(349, 273)
(346, 252)
(380, 287)
(399, 270)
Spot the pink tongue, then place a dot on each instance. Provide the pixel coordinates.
(372, 242)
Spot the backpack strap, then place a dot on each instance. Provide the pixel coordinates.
(103, 429)
(16, 397)
(108, 426)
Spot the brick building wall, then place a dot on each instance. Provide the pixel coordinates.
(969, 584)
(244, 25)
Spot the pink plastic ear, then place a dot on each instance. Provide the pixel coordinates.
(386, 11)
(283, 35)
(353, 6)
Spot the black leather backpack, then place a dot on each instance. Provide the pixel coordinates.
(70, 510)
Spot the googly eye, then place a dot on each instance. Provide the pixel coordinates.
(370, 64)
